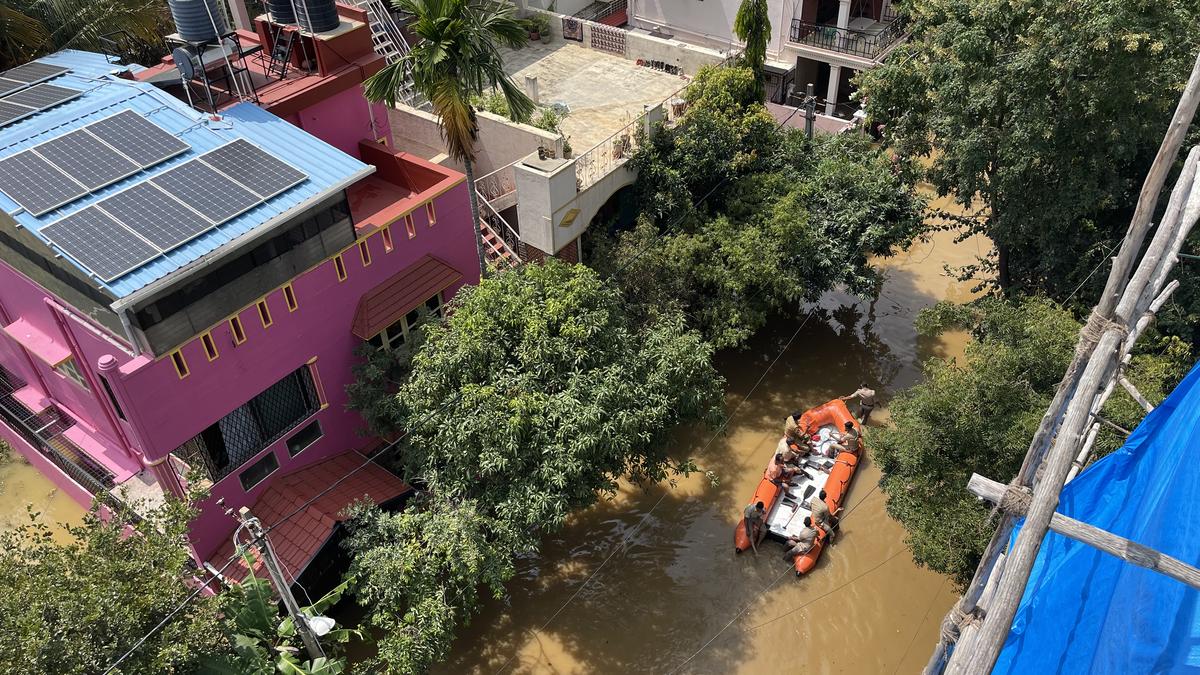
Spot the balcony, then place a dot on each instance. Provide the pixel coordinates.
(870, 40)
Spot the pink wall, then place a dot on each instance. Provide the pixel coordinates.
(171, 411)
(344, 119)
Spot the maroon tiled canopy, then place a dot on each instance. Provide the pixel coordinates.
(381, 306)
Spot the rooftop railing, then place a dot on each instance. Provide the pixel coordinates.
(847, 41)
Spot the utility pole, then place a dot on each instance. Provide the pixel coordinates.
(281, 585)
(810, 110)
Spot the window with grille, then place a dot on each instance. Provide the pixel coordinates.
(398, 333)
(69, 370)
(237, 437)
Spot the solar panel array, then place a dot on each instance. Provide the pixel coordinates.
(70, 166)
(22, 95)
(122, 232)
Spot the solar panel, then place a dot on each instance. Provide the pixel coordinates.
(35, 184)
(152, 213)
(7, 86)
(99, 243)
(85, 158)
(206, 190)
(33, 72)
(10, 112)
(42, 96)
(138, 138)
(253, 168)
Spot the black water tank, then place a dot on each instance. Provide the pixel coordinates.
(317, 16)
(281, 12)
(197, 20)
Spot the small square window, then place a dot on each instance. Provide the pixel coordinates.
(258, 471)
(239, 333)
(308, 434)
(69, 370)
(289, 296)
(431, 213)
(410, 226)
(181, 367)
(387, 240)
(340, 267)
(364, 252)
(264, 313)
(210, 347)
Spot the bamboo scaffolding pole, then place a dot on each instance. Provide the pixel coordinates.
(1134, 393)
(1129, 551)
(1139, 225)
(1100, 368)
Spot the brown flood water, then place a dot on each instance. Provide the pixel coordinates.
(676, 585)
(21, 486)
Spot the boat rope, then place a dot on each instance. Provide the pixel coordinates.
(932, 601)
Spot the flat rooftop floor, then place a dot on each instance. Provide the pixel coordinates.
(604, 92)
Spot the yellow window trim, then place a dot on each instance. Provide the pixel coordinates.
(264, 313)
(289, 296)
(339, 266)
(181, 367)
(388, 244)
(210, 347)
(364, 252)
(429, 211)
(410, 225)
(237, 329)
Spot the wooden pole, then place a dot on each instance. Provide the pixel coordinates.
(1101, 366)
(1134, 393)
(1129, 551)
(1139, 225)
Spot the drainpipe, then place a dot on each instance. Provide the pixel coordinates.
(105, 406)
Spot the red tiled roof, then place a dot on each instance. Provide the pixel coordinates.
(298, 539)
(383, 305)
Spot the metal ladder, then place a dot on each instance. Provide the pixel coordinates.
(389, 43)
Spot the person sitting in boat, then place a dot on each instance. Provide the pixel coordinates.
(801, 543)
(780, 472)
(755, 514)
(792, 447)
(847, 440)
(822, 516)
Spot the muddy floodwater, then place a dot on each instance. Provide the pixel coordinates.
(23, 486)
(674, 597)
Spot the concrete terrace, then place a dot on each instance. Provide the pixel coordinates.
(604, 91)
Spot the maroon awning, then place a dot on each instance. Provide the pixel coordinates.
(381, 306)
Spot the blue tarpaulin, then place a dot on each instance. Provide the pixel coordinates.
(1088, 612)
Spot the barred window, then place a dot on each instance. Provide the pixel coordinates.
(237, 437)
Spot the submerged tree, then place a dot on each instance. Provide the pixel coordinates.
(455, 60)
(1040, 117)
(752, 25)
(978, 415)
(741, 219)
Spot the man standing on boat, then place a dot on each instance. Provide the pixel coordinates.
(866, 401)
(801, 543)
(821, 514)
(755, 515)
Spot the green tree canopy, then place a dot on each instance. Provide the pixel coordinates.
(1047, 113)
(781, 218)
(75, 605)
(31, 28)
(978, 415)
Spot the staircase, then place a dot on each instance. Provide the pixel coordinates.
(389, 43)
(495, 250)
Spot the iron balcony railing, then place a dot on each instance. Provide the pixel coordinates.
(847, 41)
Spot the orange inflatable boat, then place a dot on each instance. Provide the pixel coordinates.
(787, 505)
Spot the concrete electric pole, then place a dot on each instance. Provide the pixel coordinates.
(281, 585)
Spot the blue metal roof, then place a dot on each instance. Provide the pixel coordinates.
(327, 167)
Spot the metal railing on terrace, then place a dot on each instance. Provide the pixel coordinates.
(501, 182)
(602, 158)
(868, 45)
(44, 431)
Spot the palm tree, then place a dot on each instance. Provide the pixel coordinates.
(457, 59)
(30, 28)
(753, 27)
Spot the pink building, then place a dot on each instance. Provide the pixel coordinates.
(183, 293)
